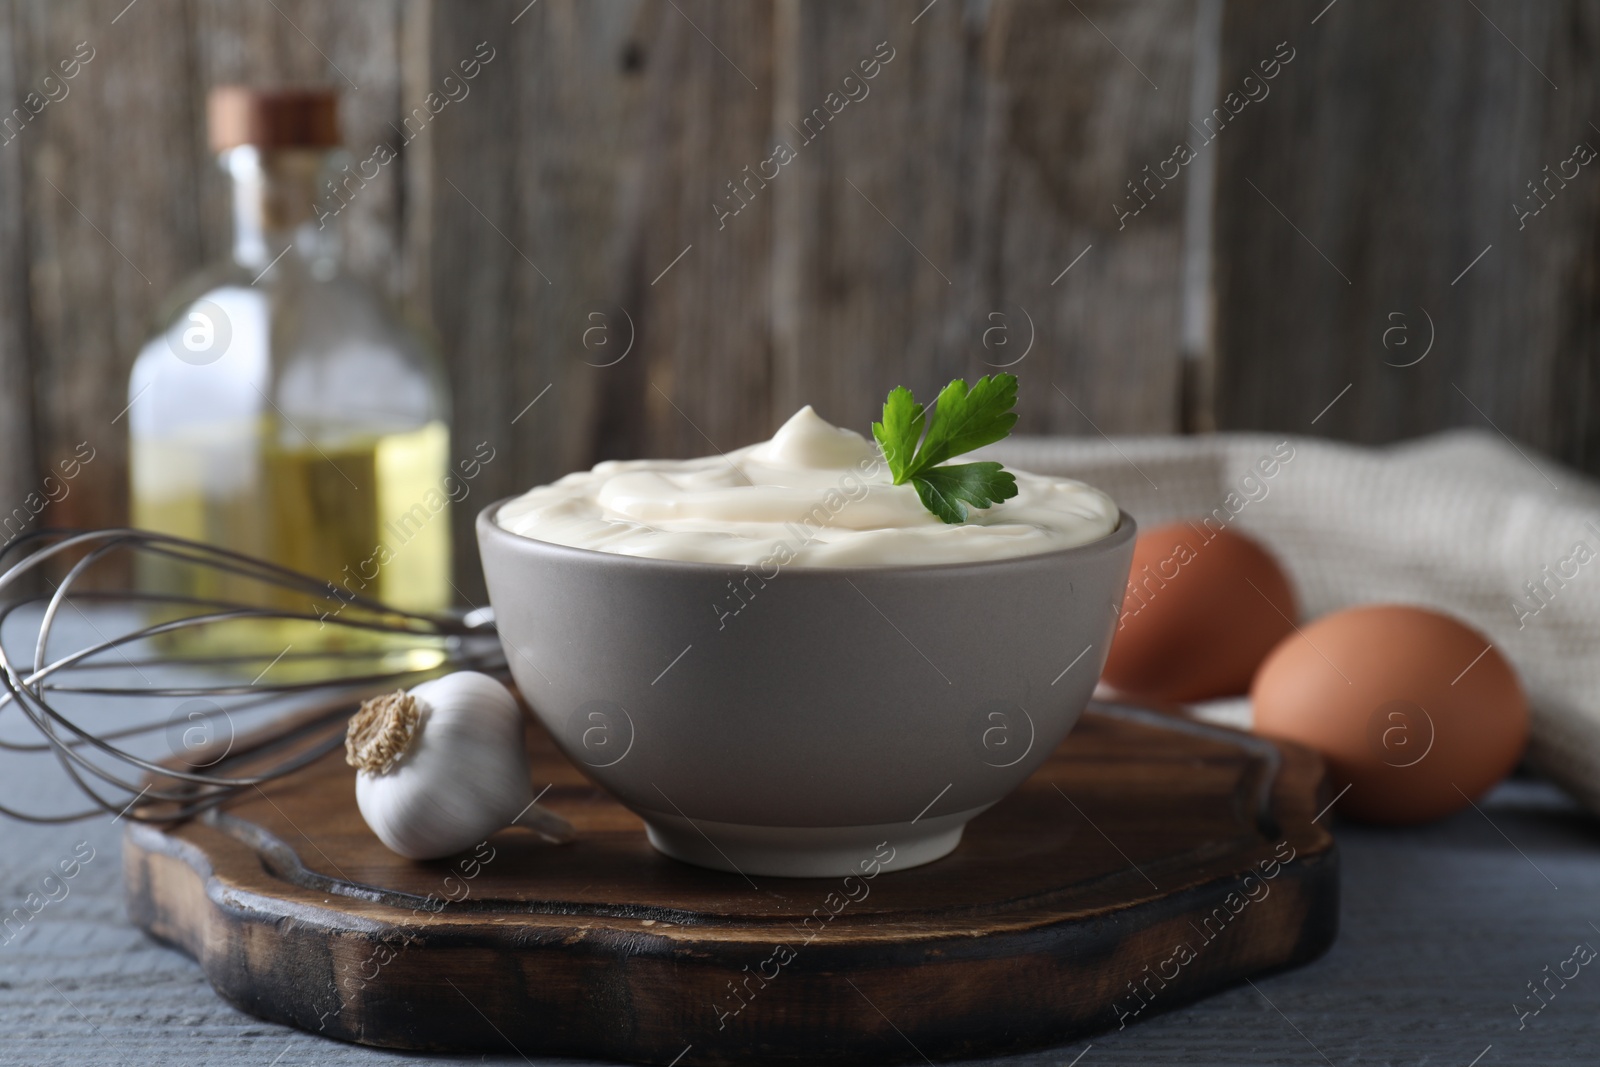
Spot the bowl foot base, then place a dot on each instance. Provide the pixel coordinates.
(805, 851)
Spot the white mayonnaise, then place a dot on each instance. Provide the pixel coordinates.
(813, 496)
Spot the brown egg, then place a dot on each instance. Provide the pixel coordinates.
(1202, 610)
(1412, 709)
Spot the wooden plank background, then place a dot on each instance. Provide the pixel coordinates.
(1397, 142)
(567, 211)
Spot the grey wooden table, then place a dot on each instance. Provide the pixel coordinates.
(1442, 930)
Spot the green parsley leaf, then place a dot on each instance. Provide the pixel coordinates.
(943, 489)
(963, 419)
(899, 431)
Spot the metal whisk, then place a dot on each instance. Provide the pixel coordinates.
(359, 646)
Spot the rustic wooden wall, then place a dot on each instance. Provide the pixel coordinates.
(1397, 142)
(567, 211)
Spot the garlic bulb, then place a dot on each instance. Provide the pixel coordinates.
(444, 766)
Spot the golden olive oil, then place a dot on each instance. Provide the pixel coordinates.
(370, 517)
(366, 517)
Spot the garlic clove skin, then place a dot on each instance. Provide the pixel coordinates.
(461, 772)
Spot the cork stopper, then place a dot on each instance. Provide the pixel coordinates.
(272, 118)
(381, 731)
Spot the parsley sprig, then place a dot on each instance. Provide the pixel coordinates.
(963, 419)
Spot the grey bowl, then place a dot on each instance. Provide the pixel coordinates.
(805, 722)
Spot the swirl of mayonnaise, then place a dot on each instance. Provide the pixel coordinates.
(814, 495)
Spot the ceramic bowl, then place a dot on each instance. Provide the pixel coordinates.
(804, 722)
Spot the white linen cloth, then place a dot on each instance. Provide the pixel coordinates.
(1465, 522)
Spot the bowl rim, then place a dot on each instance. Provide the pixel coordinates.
(1125, 531)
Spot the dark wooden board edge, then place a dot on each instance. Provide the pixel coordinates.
(621, 988)
(1022, 990)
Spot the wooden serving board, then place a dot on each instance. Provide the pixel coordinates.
(1150, 861)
